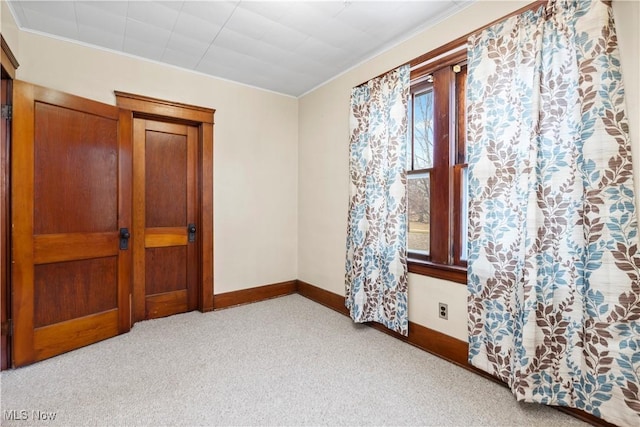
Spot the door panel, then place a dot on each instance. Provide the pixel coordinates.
(68, 290)
(165, 262)
(166, 269)
(76, 184)
(165, 178)
(71, 196)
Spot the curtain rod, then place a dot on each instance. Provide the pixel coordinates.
(435, 58)
(456, 44)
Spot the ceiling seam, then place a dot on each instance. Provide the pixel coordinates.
(75, 13)
(173, 28)
(217, 34)
(126, 24)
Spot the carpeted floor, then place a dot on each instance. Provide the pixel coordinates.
(285, 361)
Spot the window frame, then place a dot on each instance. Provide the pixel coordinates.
(444, 260)
(417, 90)
(460, 164)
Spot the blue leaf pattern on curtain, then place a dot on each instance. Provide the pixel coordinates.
(376, 265)
(553, 276)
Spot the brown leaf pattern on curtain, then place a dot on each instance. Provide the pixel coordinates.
(376, 268)
(554, 303)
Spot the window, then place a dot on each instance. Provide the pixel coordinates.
(419, 167)
(437, 169)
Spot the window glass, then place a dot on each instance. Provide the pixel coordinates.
(419, 213)
(423, 130)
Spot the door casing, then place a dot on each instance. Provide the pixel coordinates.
(8, 66)
(202, 118)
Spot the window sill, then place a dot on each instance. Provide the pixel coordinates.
(446, 272)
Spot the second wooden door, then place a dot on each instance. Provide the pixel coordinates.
(165, 223)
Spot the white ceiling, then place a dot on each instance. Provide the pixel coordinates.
(288, 47)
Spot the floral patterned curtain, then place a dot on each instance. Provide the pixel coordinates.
(376, 266)
(554, 305)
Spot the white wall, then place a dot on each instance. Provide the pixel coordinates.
(8, 27)
(255, 149)
(323, 160)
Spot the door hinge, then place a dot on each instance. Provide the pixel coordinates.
(7, 112)
(7, 328)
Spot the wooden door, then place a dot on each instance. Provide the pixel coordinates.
(71, 201)
(165, 222)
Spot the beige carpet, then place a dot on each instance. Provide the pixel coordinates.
(286, 361)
